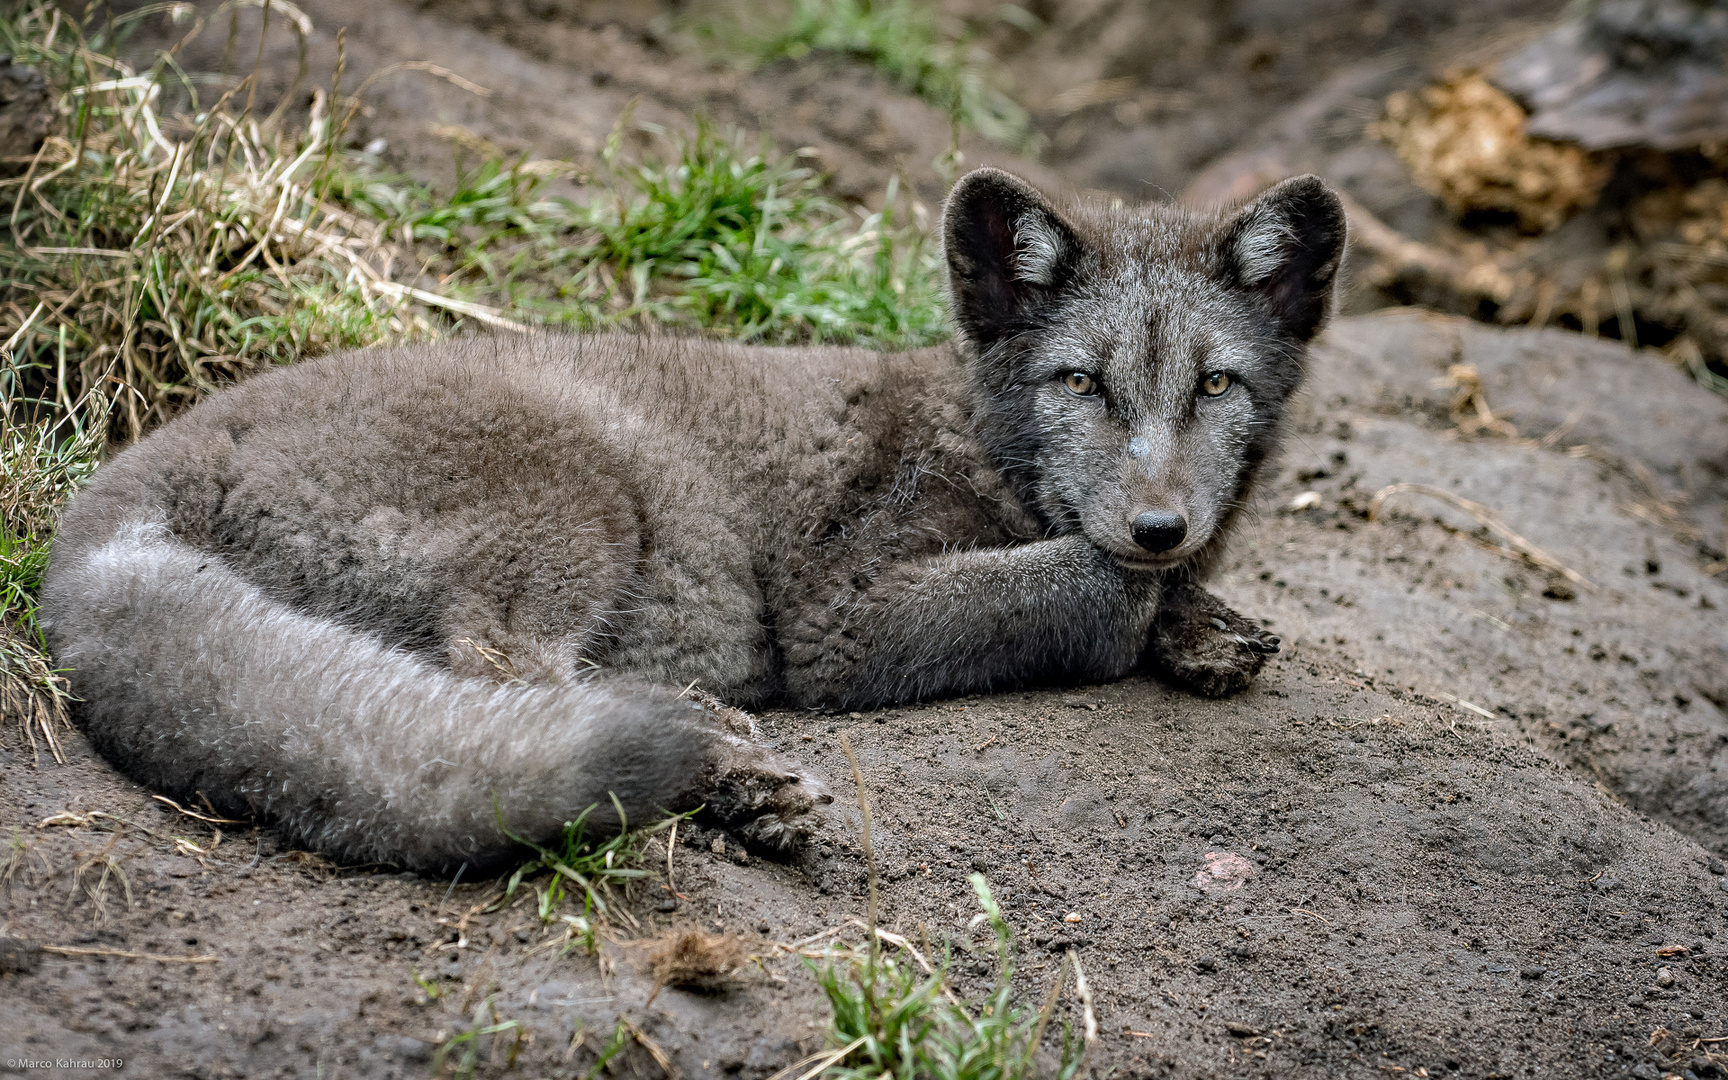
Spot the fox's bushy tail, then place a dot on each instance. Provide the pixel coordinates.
(195, 681)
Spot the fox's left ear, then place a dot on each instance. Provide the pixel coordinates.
(1284, 247)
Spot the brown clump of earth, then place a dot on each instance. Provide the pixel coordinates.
(693, 960)
(1464, 140)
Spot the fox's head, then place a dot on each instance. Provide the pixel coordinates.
(1132, 366)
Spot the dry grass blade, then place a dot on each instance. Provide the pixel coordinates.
(1084, 990)
(195, 814)
(33, 696)
(93, 875)
(817, 1062)
(1049, 1008)
(661, 1058)
(77, 950)
(869, 847)
(1486, 518)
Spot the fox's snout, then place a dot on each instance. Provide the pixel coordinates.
(1159, 531)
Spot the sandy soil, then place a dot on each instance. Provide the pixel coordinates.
(1480, 809)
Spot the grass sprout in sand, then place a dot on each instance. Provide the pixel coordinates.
(895, 1017)
(583, 866)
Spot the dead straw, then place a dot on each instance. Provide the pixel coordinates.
(869, 847)
(75, 950)
(1489, 520)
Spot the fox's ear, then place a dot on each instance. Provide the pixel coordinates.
(1007, 249)
(1285, 247)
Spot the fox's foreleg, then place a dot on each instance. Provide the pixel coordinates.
(975, 620)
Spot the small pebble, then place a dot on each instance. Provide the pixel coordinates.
(1533, 972)
(18, 956)
(408, 1047)
(1072, 916)
(1664, 978)
(763, 927)
(1205, 963)
(667, 903)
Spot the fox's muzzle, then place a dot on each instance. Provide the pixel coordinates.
(1159, 531)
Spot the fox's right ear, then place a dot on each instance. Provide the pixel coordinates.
(1007, 248)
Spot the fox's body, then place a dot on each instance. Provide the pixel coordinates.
(386, 597)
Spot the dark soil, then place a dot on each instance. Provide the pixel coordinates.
(1480, 809)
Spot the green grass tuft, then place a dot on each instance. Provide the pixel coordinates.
(47, 449)
(153, 256)
(894, 1019)
(484, 1025)
(581, 866)
(907, 41)
(705, 232)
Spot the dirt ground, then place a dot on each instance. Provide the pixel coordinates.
(1477, 809)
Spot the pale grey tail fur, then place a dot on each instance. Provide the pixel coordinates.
(367, 596)
(362, 750)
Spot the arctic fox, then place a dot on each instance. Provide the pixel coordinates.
(409, 603)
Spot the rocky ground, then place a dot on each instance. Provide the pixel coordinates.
(1470, 822)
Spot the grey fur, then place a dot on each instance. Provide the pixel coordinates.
(367, 596)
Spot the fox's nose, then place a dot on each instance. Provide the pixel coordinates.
(1159, 530)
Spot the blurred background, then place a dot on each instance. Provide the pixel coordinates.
(1528, 161)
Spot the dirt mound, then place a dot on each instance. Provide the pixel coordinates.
(1459, 826)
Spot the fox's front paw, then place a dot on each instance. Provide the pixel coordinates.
(768, 800)
(1201, 645)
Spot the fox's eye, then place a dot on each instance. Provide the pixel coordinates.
(1080, 383)
(1216, 383)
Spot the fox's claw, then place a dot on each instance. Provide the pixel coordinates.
(1201, 645)
(766, 799)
